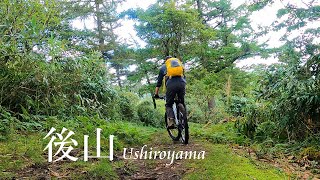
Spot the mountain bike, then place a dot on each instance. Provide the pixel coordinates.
(180, 131)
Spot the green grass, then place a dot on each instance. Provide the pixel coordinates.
(24, 150)
(218, 133)
(221, 163)
(20, 151)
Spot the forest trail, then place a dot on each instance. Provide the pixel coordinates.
(158, 168)
(220, 163)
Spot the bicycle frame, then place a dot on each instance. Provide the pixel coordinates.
(181, 127)
(174, 107)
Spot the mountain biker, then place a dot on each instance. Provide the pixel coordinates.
(175, 85)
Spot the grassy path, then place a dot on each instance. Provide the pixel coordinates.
(219, 163)
(22, 157)
(222, 163)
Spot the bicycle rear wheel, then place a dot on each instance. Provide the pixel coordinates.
(173, 133)
(183, 125)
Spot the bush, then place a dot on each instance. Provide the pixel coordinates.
(265, 131)
(5, 123)
(289, 97)
(195, 112)
(150, 116)
(254, 114)
(198, 111)
(237, 105)
(128, 106)
(62, 87)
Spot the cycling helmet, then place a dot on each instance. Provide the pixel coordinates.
(168, 57)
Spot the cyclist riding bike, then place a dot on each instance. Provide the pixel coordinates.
(173, 72)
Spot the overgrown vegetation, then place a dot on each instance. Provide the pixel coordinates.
(54, 75)
(30, 148)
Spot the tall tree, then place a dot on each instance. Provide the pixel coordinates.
(300, 18)
(25, 25)
(232, 37)
(167, 27)
(103, 37)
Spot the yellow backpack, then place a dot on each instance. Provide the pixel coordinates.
(174, 67)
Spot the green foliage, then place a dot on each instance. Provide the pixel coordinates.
(295, 19)
(6, 122)
(266, 130)
(287, 105)
(253, 114)
(128, 106)
(219, 133)
(228, 35)
(62, 87)
(25, 24)
(217, 96)
(294, 91)
(150, 116)
(166, 26)
(196, 113)
(39, 73)
(238, 105)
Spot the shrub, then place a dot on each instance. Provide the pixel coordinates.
(62, 87)
(237, 105)
(198, 111)
(150, 116)
(292, 91)
(5, 123)
(265, 131)
(128, 106)
(195, 112)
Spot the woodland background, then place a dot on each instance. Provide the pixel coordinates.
(53, 75)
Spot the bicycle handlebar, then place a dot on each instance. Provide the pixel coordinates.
(163, 97)
(154, 100)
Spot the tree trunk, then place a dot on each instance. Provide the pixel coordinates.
(151, 93)
(99, 25)
(199, 7)
(118, 76)
(202, 40)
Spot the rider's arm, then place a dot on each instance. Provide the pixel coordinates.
(157, 91)
(184, 76)
(162, 73)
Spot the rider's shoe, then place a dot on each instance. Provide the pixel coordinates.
(170, 123)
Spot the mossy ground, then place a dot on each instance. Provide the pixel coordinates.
(22, 155)
(221, 163)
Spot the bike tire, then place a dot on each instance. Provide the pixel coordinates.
(173, 133)
(184, 127)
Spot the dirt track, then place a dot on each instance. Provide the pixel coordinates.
(158, 168)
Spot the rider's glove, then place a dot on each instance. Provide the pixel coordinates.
(156, 96)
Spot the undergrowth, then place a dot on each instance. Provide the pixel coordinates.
(24, 150)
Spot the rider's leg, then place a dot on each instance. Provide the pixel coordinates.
(169, 102)
(170, 95)
(181, 91)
